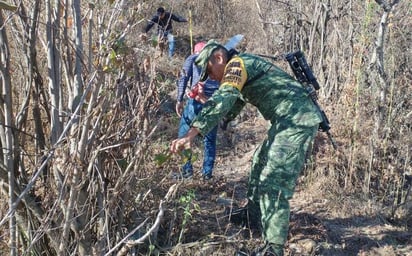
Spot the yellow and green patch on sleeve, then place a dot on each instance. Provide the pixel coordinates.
(235, 74)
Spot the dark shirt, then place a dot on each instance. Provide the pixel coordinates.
(165, 23)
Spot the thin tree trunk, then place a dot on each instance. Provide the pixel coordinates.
(53, 65)
(7, 132)
(381, 81)
(81, 145)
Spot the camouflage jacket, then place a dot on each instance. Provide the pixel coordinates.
(250, 79)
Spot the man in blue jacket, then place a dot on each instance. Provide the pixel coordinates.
(164, 20)
(191, 74)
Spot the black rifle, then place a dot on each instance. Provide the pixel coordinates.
(304, 75)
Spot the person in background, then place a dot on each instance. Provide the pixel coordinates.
(199, 92)
(164, 20)
(279, 160)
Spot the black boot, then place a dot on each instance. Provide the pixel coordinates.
(247, 216)
(237, 216)
(269, 250)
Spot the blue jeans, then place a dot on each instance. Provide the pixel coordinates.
(190, 111)
(167, 36)
(171, 41)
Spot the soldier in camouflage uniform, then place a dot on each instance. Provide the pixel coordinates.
(246, 78)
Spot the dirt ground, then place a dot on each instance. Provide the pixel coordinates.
(319, 225)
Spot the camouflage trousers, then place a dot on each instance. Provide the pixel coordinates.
(276, 166)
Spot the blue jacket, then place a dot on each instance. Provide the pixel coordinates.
(192, 72)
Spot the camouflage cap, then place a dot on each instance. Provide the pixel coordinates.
(204, 56)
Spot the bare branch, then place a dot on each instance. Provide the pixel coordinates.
(170, 194)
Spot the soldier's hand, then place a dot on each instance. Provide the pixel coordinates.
(184, 142)
(180, 144)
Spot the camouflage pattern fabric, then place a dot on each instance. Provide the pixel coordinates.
(251, 79)
(279, 160)
(276, 166)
